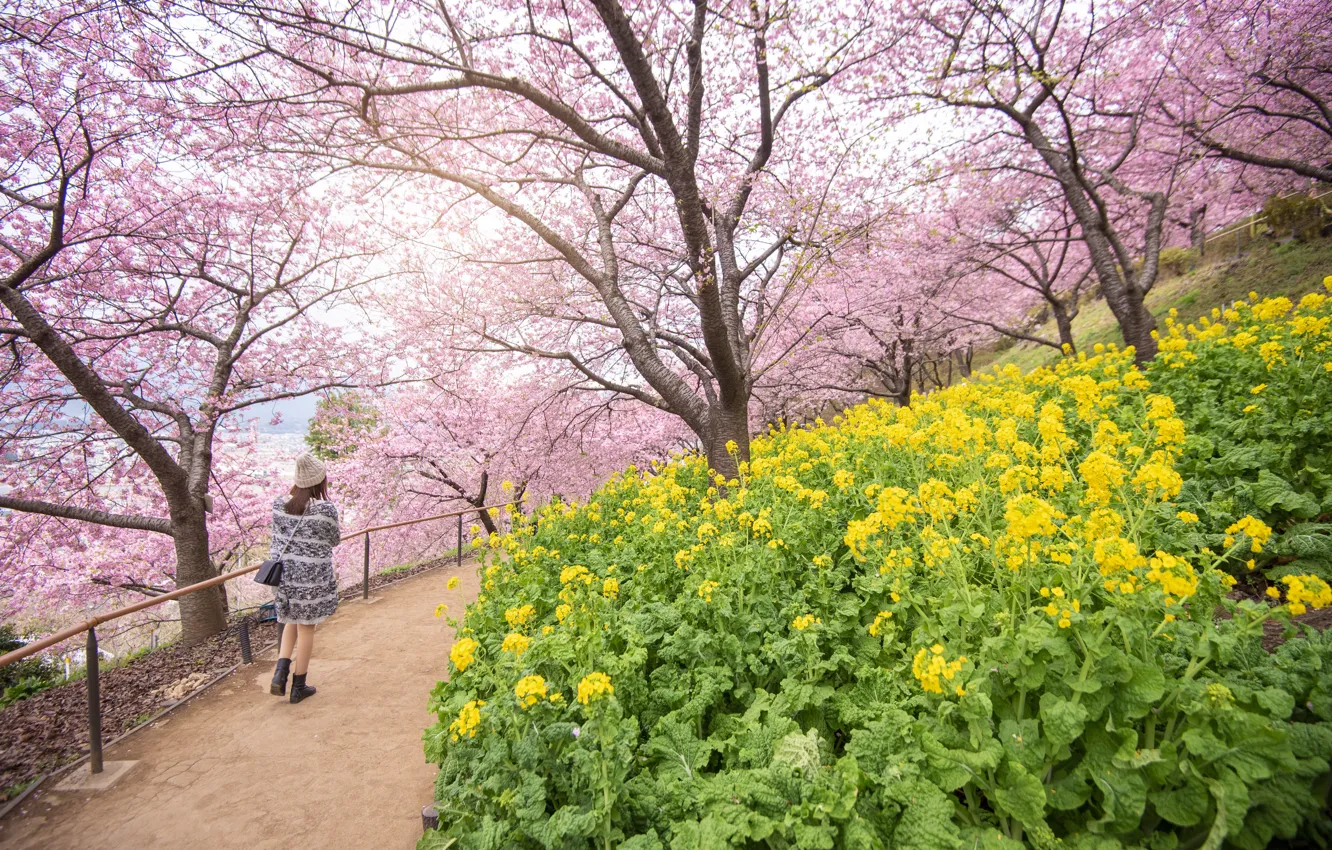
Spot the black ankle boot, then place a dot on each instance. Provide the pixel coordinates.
(300, 690)
(279, 687)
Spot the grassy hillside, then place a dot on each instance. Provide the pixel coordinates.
(1291, 270)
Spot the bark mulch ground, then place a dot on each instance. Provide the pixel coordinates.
(50, 728)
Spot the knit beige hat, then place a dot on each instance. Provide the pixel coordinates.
(309, 471)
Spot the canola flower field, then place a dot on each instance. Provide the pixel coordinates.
(1027, 611)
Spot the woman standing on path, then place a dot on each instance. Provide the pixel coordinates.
(308, 594)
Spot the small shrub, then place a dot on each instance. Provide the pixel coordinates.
(1296, 215)
(23, 678)
(1178, 261)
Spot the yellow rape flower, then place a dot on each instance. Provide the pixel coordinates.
(519, 616)
(530, 690)
(594, 687)
(1159, 480)
(1176, 576)
(1258, 531)
(1102, 474)
(463, 653)
(1307, 590)
(515, 643)
(1030, 516)
(804, 621)
(880, 623)
(468, 721)
(931, 668)
(896, 559)
(1160, 407)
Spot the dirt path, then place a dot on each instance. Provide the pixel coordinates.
(241, 768)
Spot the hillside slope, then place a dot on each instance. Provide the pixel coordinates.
(1292, 270)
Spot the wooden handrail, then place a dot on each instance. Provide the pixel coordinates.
(65, 634)
(423, 519)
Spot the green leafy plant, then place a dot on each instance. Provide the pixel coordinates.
(1298, 215)
(981, 621)
(22, 678)
(1253, 385)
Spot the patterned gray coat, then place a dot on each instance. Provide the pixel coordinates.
(308, 593)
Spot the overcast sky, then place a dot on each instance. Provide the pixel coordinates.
(296, 413)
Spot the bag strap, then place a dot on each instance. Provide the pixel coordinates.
(292, 536)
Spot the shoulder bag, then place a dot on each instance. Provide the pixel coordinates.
(270, 571)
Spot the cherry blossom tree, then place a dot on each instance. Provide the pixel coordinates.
(881, 323)
(146, 302)
(127, 376)
(476, 435)
(639, 174)
(1067, 93)
(1016, 252)
(1254, 84)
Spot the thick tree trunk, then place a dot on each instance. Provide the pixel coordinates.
(1124, 299)
(204, 613)
(727, 424)
(902, 392)
(1137, 324)
(964, 356)
(1122, 294)
(1064, 322)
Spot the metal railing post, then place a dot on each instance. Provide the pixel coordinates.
(459, 541)
(94, 706)
(365, 562)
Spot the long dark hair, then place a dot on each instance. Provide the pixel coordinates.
(297, 504)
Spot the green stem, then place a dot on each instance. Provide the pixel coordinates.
(605, 793)
(1087, 660)
(973, 809)
(1196, 664)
